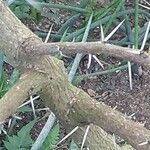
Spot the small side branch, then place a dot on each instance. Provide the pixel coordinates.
(68, 48)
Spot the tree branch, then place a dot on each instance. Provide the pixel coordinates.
(19, 92)
(68, 48)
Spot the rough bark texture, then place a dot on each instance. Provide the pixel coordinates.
(71, 105)
(99, 48)
(20, 91)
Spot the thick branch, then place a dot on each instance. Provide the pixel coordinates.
(19, 92)
(97, 138)
(74, 107)
(17, 41)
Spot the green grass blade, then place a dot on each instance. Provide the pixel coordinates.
(79, 56)
(127, 26)
(136, 20)
(67, 7)
(13, 78)
(83, 3)
(102, 21)
(86, 33)
(96, 23)
(3, 84)
(114, 15)
(73, 146)
(68, 23)
(106, 8)
(109, 71)
(145, 37)
(64, 35)
(1, 62)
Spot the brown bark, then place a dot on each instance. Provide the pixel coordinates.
(71, 105)
(20, 91)
(68, 48)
